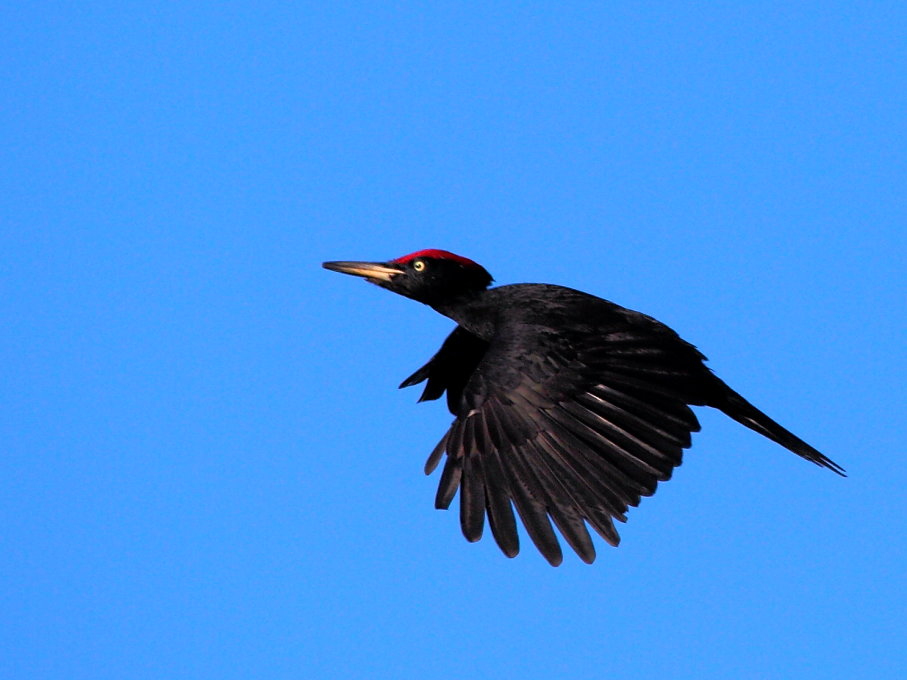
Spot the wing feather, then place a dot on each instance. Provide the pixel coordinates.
(573, 436)
(472, 496)
(528, 498)
(498, 504)
(561, 504)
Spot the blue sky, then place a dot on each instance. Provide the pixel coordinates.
(207, 469)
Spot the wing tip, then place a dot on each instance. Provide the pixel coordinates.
(555, 559)
(510, 551)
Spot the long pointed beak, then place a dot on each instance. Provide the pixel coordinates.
(376, 272)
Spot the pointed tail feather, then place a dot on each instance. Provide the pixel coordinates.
(745, 413)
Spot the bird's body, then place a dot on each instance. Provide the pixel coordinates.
(566, 406)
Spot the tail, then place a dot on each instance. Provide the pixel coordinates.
(745, 413)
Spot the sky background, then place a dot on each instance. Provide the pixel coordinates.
(207, 470)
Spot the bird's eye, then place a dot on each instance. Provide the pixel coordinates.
(419, 265)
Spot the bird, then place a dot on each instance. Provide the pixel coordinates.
(567, 407)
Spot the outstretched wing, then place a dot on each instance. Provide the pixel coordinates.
(570, 432)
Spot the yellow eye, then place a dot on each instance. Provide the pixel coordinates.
(419, 265)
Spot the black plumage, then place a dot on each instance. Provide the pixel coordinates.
(568, 408)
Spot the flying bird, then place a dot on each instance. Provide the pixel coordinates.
(567, 407)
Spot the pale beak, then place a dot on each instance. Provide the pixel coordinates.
(376, 272)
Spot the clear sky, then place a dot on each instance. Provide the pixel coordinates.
(206, 469)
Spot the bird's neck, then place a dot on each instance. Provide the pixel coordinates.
(473, 311)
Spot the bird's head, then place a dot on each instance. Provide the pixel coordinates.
(429, 276)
